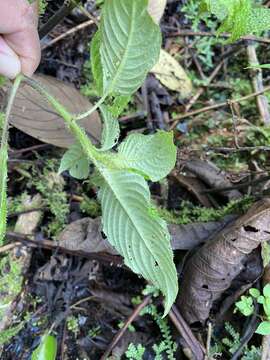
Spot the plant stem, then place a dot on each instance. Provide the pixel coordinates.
(11, 99)
(70, 119)
(4, 158)
(90, 111)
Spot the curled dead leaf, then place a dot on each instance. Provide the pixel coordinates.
(172, 75)
(34, 116)
(210, 271)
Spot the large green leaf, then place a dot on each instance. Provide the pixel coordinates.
(137, 233)
(152, 155)
(76, 162)
(111, 130)
(130, 45)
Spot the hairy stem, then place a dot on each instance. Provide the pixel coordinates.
(4, 159)
(70, 119)
(90, 111)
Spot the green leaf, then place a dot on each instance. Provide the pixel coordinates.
(47, 349)
(96, 65)
(265, 252)
(254, 292)
(239, 17)
(139, 236)
(262, 66)
(3, 192)
(111, 130)
(152, 155)
(76, 162)
(266, 290)
(263, 328)
(245, 306)
(130, 45)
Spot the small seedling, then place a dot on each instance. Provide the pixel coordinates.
(246, 307)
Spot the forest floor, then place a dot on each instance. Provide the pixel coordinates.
(57, 271)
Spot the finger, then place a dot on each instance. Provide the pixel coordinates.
(27, 47)
(10, 64)
(20, 32)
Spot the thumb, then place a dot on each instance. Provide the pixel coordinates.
(10, 65)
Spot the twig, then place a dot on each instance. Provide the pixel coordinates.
(186, 333)
(50, 245)
(240, 149)
(202, 89)
(122, 331)
(68, 33)
(65, 9)
(257, 81)
(216, 106)
(9, 247)
(238, 186)
(210, 34)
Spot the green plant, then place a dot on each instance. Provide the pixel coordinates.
(233, 342)
(135, 352)
(246, 307)
(167, 345)
(203, 45)
(238, 17)
(124, 49)
(51, 186)
(10, 281)
(73, 325)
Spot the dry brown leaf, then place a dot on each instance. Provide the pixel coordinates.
(210, 271)
(210, 174)
(34, 116)
(171, 74)
(86, 235)
(156, 9)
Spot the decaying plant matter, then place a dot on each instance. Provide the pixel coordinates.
(210, 271)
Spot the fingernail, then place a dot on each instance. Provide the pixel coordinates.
(10, 66)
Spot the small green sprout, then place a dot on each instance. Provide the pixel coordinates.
(246, 307)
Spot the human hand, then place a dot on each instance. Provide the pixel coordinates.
(19, 41)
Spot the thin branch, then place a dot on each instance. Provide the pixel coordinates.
(65, 9)
(122, 331)
(211, 34)
(257, 82)
(68, 33)
(216, 106)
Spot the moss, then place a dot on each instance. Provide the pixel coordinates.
(51, 186)
(190, 213)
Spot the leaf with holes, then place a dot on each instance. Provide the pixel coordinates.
(137, 233)
(111, 130)
(153, 155)
(76, 162)
(130, 45)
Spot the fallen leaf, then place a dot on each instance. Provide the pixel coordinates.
(34, 116)
(156, 9)
(171, 74)
(210, 271)
(211, 175)
(86, 235)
